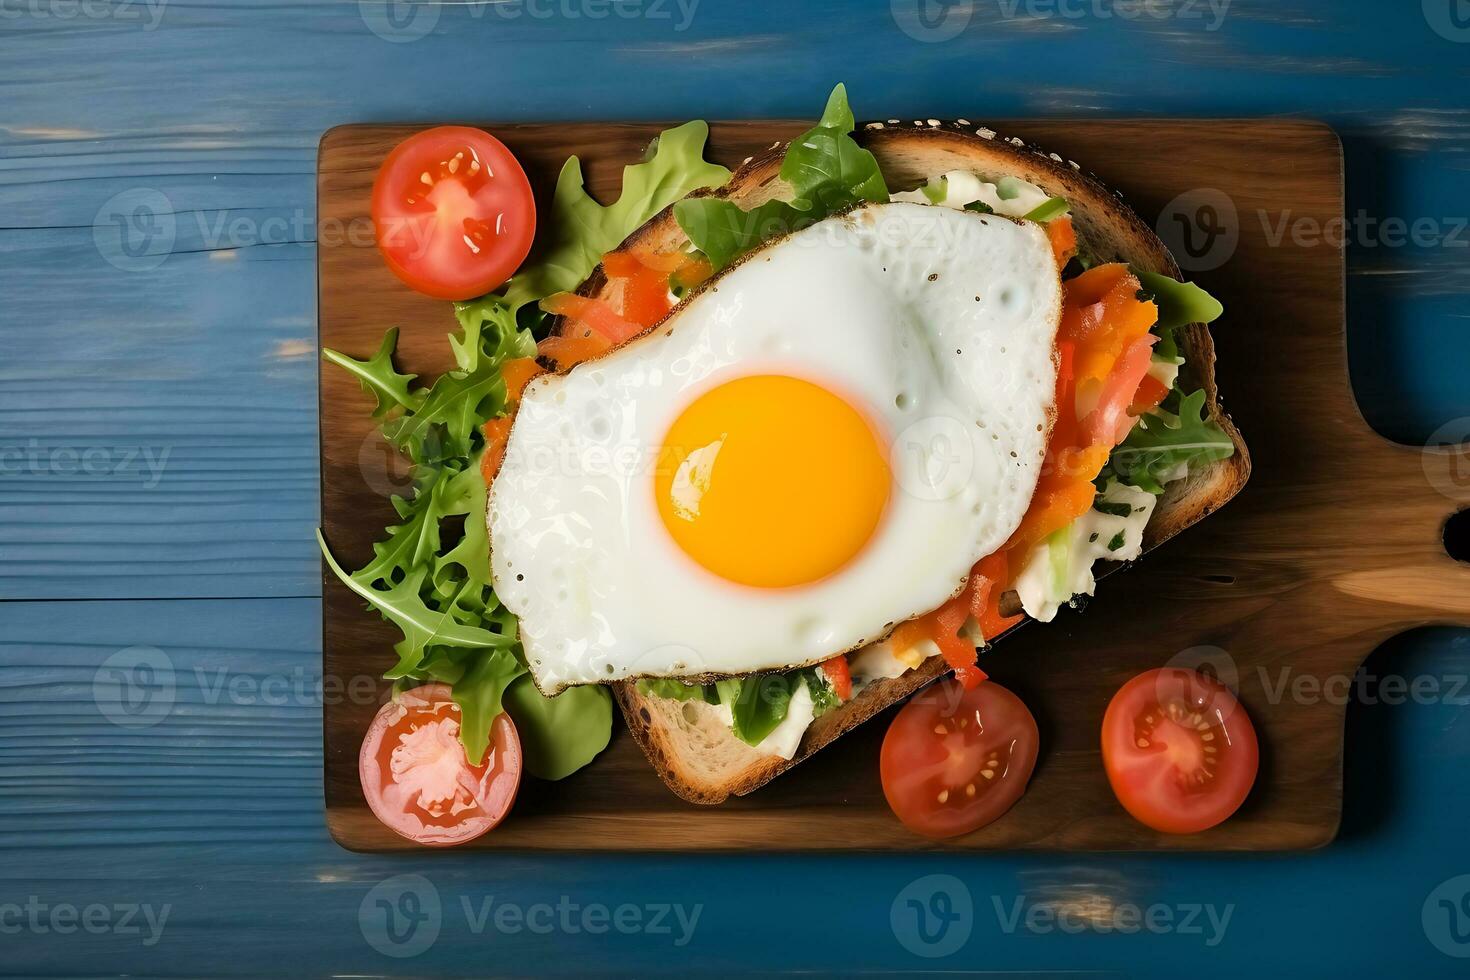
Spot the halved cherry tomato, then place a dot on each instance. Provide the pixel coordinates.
(840, 676)
(453, 212)
(518, 372)
(955, 760)
(416, 777)
(1179, 750)
(567, 351)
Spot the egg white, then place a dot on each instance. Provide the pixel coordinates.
(938, 324)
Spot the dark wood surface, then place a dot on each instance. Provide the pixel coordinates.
(1334, 546)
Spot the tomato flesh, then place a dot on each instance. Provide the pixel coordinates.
(453, 212)
(1179, 750)
(956, 759)
(417, 780)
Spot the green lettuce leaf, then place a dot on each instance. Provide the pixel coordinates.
(676, 690)
(562, 734)
(758, 703)
(430, 575)
(824, 167)
(1175, 433)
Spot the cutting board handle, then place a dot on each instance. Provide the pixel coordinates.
(1429, 486)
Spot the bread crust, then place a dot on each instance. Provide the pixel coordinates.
(688, 743)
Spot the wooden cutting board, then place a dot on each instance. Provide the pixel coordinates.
(1335, 545)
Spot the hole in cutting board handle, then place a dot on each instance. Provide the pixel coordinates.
(1457, 536)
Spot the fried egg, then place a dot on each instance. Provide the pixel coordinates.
(816, 446)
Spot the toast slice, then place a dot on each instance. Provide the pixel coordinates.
(688, 742)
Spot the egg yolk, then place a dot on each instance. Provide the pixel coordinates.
(771, 481)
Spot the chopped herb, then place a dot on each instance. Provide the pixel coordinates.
(1112, 507)
(1117, 542)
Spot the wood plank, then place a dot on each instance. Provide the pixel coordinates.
(237, 849)
(1271, 559)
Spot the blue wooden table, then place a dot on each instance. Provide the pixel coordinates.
(158, 487)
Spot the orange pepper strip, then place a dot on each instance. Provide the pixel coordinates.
(594, 313)
(838, 673)
(518, 372)
(1063, 239)
(567, 351)
(957, 650)
(496, 432)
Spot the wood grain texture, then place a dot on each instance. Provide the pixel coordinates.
(221, 108)
(1287, 576)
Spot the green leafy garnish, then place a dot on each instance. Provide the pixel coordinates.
(378, 378)
(562, 734)
(757, 704)
(677, 690)
(980, 207)
(824, 696)
(430, 575)
(1054, 207)
(583, 230)
(1179, 303)
(1173, 435)
(1117, 541)
(824, 167)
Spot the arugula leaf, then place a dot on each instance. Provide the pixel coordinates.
(826, 170)
(1179, 303)
(434, 587)
(403, 605)
(378, 377)
(562, 734)
(582, 229)
(479, 692)
(1176, 433)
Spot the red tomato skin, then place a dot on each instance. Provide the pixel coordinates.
(918, 763)
(497, 777)
(465, 275)
(1170, 810)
